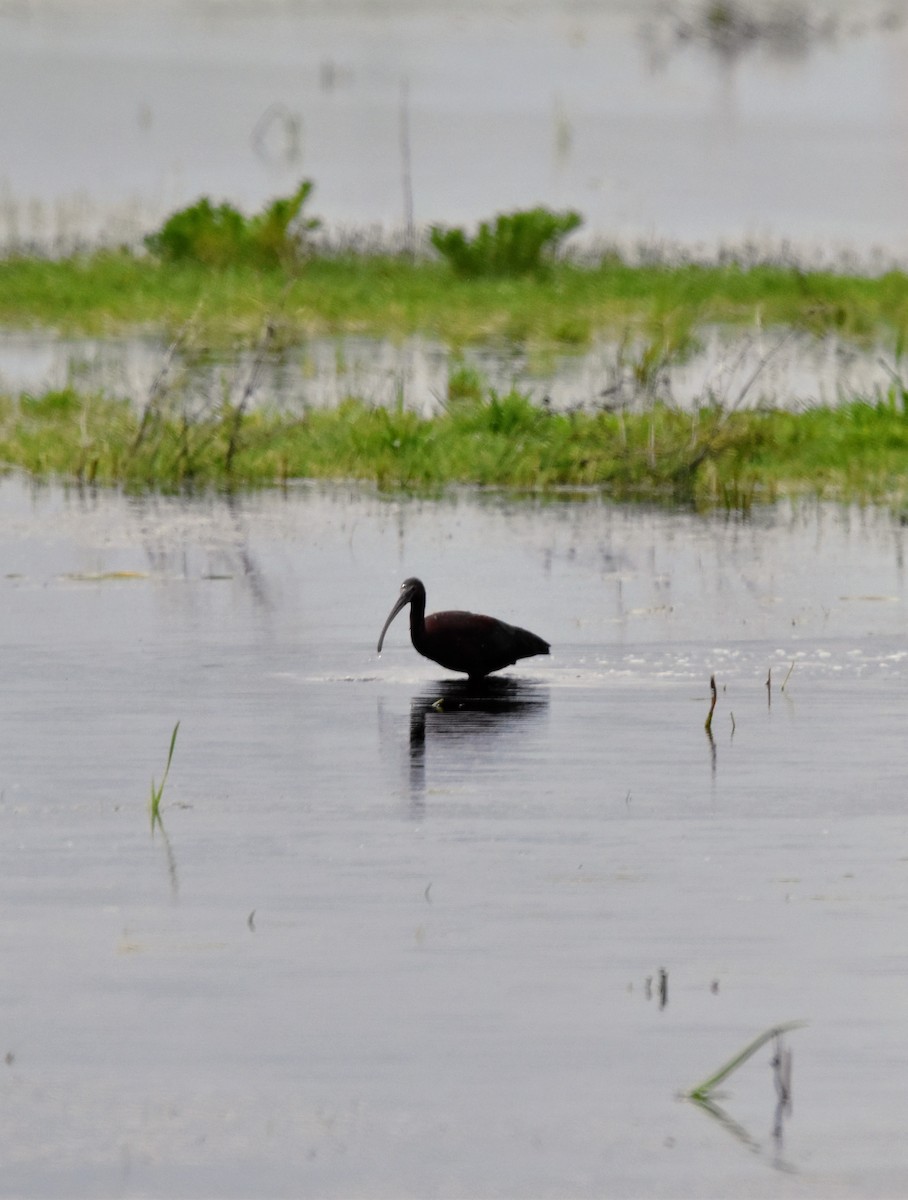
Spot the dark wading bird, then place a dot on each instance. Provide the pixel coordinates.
(462, 641)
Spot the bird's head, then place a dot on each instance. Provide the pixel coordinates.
(411, 589)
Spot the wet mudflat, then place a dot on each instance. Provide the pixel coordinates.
(383, 949)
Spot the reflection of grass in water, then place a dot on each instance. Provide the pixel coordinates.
(703, 1095)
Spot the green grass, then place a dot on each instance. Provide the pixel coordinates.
(393, 296)
(704, 1090)
(250, 280)
(713, 457)
(157, 790)
(516, 243)
(219, 235)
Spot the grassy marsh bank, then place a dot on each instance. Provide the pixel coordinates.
(393, 296)
(215, 280)
(712, 457)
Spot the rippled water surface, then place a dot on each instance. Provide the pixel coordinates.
(387, 947)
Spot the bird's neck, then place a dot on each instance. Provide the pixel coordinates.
(418, 621)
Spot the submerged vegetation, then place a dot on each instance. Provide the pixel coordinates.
(714, 456)
(225, 276)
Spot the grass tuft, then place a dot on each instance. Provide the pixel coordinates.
(220, 236)
(516, 243)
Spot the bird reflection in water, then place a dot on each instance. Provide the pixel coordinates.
(455, 717)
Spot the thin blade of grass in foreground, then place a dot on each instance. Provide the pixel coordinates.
(158, 791)
(702, 1091)
(712, 704)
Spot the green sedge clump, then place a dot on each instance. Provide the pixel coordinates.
(516, 243)
(220, 236)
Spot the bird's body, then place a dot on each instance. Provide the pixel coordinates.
(462, 641)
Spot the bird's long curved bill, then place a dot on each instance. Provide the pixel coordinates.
(402, 602)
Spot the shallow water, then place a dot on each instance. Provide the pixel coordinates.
(732, 367)
(387, 950)
(116, 114)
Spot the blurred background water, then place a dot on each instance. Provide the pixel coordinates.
(781, 128)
